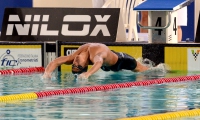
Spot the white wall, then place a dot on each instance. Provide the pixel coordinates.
(62, 3)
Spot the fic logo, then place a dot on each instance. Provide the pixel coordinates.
(8, 60)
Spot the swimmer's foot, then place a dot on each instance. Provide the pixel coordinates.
(146, 62)
(160, 70)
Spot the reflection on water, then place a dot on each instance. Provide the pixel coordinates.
(105, 105)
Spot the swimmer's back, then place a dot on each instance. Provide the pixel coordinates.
(102, 50)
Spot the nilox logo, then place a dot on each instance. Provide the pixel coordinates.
(195, 53)
(8, 60)
(32, 26)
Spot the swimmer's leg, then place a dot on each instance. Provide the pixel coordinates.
(140, 67)
(146, 62)
(143, 65)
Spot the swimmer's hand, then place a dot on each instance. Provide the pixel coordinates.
(84, 75)
(46, 75)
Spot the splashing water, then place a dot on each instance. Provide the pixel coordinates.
(154, 71)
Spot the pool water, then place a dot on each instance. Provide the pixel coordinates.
(101, 105)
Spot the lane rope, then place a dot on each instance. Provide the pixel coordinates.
(105, 87)
(85, 89)
(167, 116)
(21, 70)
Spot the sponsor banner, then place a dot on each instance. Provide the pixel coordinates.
(64, 24)
(135, 51)
(183, 58)
(19, 56)
(176, 58)
(193, 59)
(69, 50)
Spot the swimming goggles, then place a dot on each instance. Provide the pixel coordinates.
(81, 69)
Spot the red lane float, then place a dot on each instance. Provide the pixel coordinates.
(22, 70)
(50, 93)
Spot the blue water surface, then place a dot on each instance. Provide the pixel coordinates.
(99, 105)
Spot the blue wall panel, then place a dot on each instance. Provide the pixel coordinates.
(188, 31)
(12, 3)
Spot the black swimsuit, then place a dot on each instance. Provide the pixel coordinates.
(124, 61)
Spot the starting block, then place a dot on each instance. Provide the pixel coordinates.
(162, 19)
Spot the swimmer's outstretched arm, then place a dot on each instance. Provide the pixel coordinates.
(55, 63)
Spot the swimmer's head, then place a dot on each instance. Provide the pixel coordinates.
(79, 65)
(78, 69)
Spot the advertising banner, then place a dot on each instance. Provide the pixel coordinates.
(20, 56)
(64, 24)
(183, 58)
(193, 59)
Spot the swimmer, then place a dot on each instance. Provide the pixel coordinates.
(99, 56)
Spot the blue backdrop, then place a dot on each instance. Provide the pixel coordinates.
(188, 31)
(12, 3)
